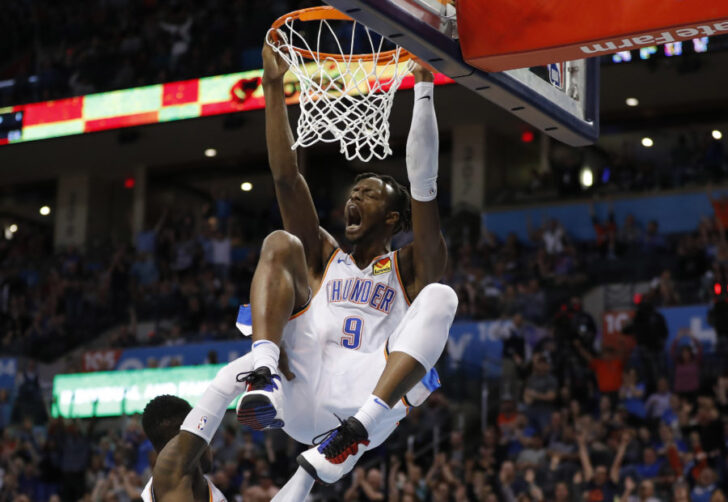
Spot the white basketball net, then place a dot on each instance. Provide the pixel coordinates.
(346, 102)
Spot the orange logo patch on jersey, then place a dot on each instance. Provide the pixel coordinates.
(382, 266)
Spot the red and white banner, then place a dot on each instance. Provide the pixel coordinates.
(613, 321)
(100, 360)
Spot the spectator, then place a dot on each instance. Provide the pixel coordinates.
(554, 237)
(651, 465)
(630, 235)
(540, 393)
(692, 260)
(659, 403)
(28, 397)
(221, 255)
(681, 492)
(646, 491)
(6, 408)
(632, 393)
(663, 290)
(146, 240)
(608, 369)
(606, 232)
(687, 360)
(649, 329)
(144, 270)
(365, 486)
(600, 483)
(704, 488)
(652, 241)
(513, 365)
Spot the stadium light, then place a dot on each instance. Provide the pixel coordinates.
(717, 135)
(45, 211)
(632, 102)
(586, 177)
(647, 142)
(246, 186)
(210, 152)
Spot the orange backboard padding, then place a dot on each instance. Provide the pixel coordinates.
(507, 34)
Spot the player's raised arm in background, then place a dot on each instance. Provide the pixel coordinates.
(294, 198)
(423, 261)
(177, 473)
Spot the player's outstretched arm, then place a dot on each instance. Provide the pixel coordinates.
(427, 253)
(294, 198)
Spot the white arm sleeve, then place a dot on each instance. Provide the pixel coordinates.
(423, 145)
(205, 417)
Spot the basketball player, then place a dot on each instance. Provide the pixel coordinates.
(183, 458)
(360, 330)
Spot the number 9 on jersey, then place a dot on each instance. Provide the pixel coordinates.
(352, 332)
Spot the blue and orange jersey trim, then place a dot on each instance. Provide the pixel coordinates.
(305, 307)
(399, 278)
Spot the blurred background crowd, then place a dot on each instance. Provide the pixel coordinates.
(562, 409)
(570, 418)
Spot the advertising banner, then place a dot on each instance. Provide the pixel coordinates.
(164, 356)
(690, 318)
(152, 104)
(114, 393)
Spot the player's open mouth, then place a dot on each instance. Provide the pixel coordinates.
(353, 218)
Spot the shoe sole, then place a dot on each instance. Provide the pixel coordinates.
(310, 469)
(258, 413)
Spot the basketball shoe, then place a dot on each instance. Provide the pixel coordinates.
(335, 452)
(260, 407)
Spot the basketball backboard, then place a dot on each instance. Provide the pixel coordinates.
(561, 99)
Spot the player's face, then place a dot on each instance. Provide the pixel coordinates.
(366, 209)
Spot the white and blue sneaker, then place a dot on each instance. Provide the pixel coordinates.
(262, 404)
(336, 452)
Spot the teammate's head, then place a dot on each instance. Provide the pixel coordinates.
(377, 207)
(162, 419)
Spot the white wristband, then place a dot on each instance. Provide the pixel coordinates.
(423, 145)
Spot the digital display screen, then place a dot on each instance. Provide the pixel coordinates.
(11, 125)
(236, 92)
(695, 46)
(115, 393)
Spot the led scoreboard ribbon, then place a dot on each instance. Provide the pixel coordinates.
(235, 92)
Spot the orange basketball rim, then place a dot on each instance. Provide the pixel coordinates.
(327, 13)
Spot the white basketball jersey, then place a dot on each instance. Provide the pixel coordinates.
(358, 309)
(215, 494)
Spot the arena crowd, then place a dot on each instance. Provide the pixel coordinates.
(569, 419)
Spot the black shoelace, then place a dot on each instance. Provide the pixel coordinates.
(255, 378)
(332, 443)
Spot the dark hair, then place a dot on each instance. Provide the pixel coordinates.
(400, 202)
(162, 419)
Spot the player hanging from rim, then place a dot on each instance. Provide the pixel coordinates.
(355, 346)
